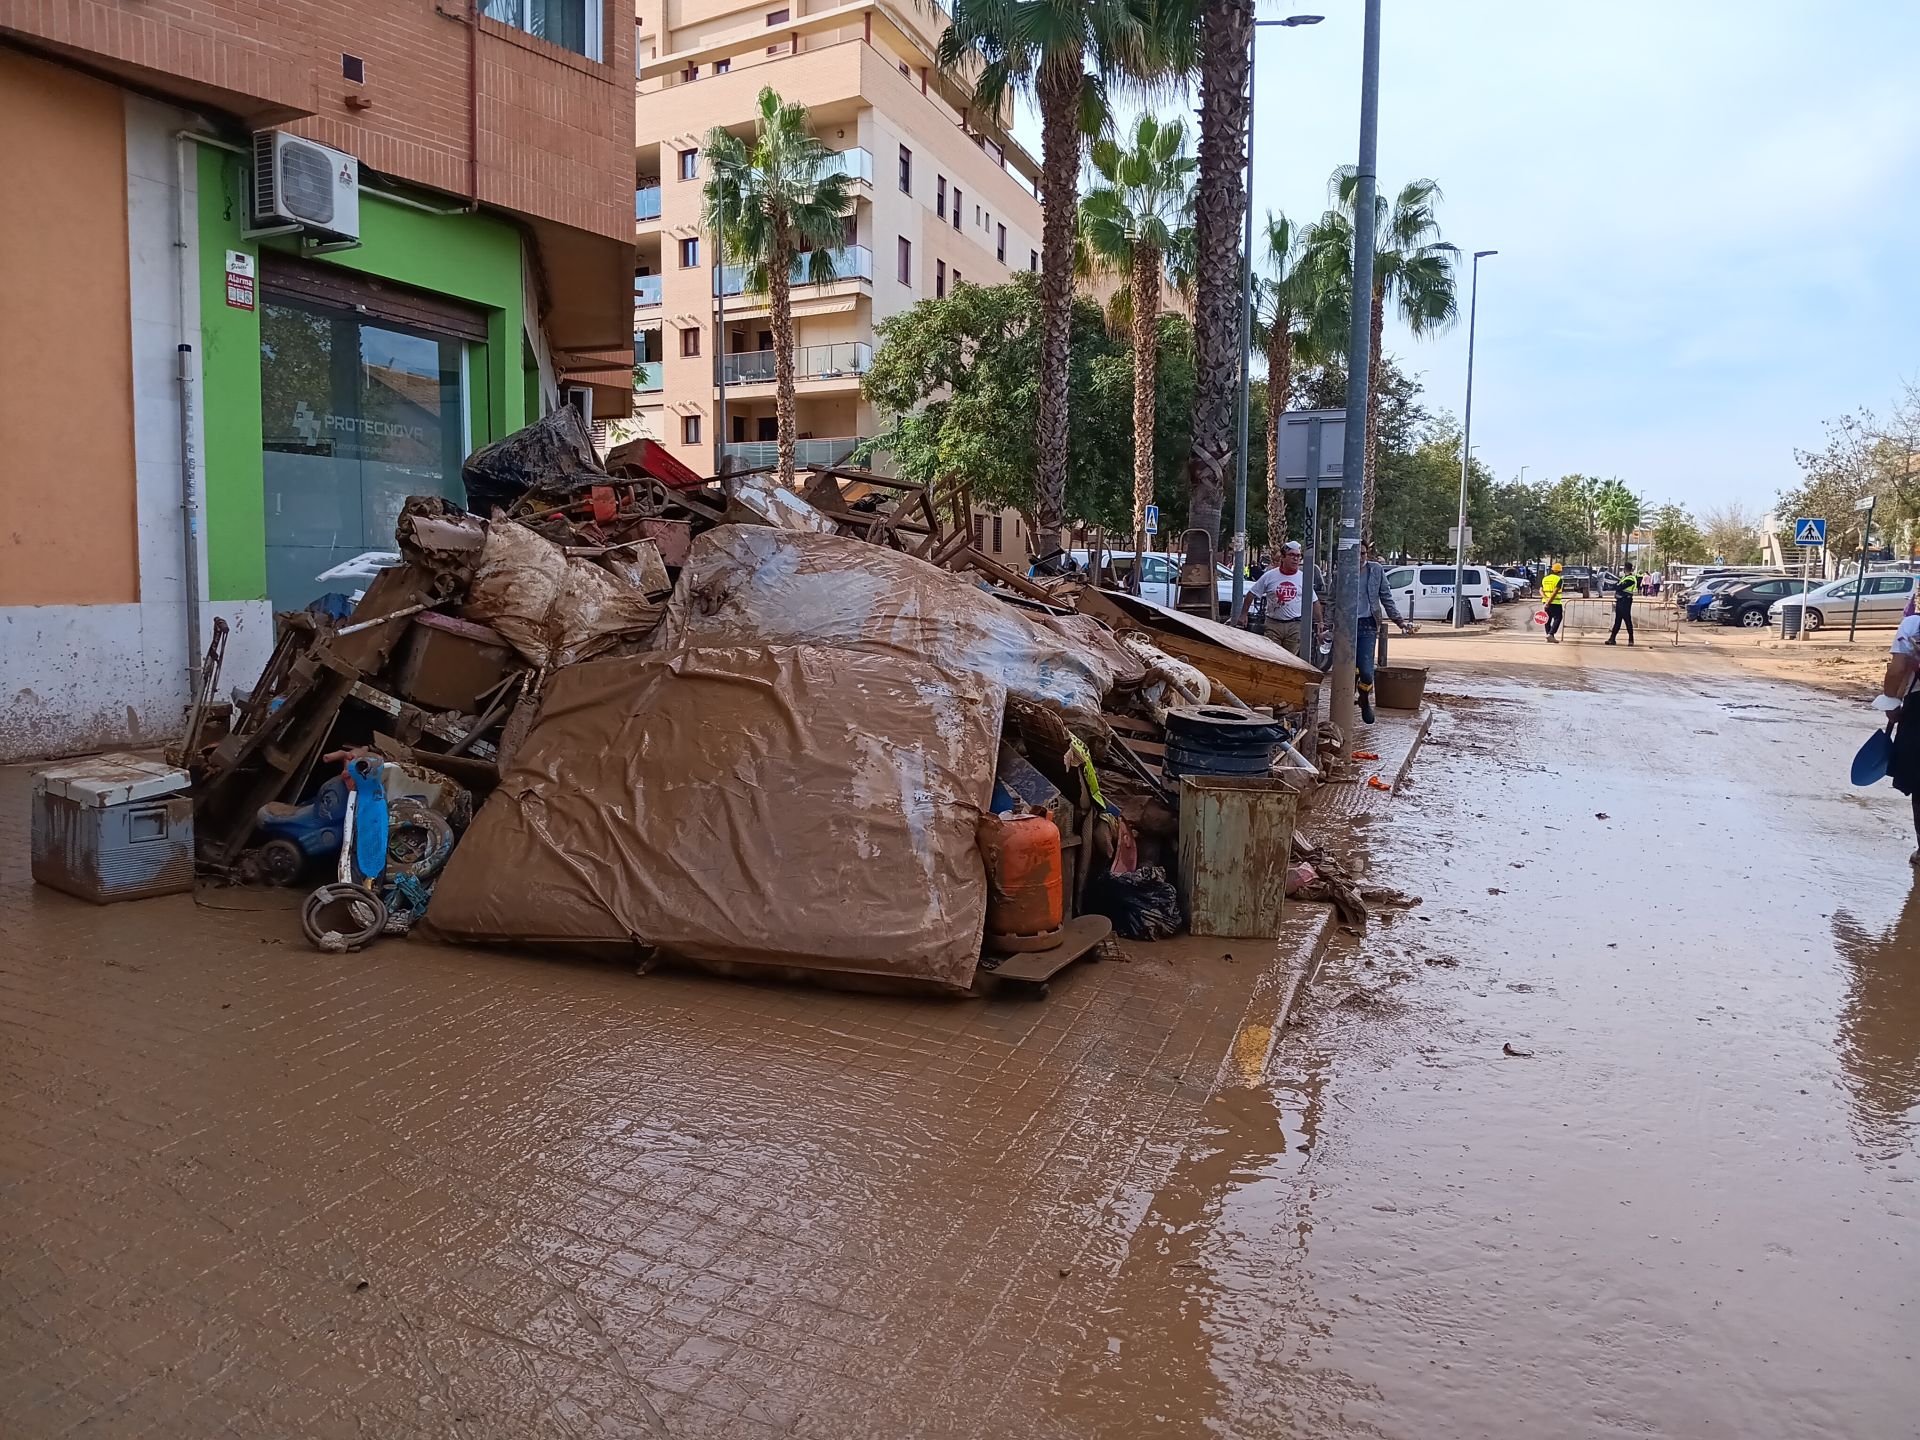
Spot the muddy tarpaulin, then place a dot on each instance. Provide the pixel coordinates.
(790, 807)
(754, 585)
(552, 458)
(551, 608)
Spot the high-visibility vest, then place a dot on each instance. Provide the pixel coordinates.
(1550, 589)
(1628, 586)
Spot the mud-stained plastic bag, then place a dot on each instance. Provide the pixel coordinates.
(553, 458)
(786, 810)
(552, 609)
(755, 585)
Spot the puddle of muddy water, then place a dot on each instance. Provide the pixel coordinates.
(1684, 1207)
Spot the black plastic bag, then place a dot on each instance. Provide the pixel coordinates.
(1142, 904)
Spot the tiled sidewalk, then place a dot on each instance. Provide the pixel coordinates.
(249, 1189)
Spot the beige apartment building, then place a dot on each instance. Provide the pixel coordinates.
(942, 195)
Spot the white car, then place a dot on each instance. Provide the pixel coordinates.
(1425, 592)
(1159, 581)
(1881, 603)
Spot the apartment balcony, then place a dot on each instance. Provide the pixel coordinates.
(646, 292)
(647, 377)
(855, 162)
(850, 263)
(646, 207)
(764, 454)
(847, 361)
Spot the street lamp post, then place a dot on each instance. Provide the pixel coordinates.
(1466, 444)
(1246, 321)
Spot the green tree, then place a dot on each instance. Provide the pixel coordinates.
(1675, 536)
(1730, 535)
(1413, 271)
(1617, 510)
(776, 203)
(1136, 213)
(1291, 324)
(1045, 47)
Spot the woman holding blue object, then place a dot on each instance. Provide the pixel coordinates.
(1896, 690)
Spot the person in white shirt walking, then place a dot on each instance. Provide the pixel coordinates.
(1278, 592)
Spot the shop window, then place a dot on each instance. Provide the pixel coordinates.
(690, 340)
(356, 415)
(689, 429)
(689, 252)
(571, 24)
(689, 164)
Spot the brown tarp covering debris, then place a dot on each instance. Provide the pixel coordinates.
(778, 808)
(552, 609)
(755, 585)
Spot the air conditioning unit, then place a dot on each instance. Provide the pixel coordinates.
(296, 182)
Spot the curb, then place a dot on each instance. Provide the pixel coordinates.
(1271, 1007)
(1419, 737)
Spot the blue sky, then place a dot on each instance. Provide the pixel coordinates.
(1707, 212)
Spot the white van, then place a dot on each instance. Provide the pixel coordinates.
(1425, 592)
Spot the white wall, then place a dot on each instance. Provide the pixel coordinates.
(86, 677)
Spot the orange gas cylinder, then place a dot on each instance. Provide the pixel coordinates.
(1022, 854)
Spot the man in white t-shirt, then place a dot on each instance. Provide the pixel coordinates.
(1279, 591)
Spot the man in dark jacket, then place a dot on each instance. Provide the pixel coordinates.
(1376, 605)
(1624, 590)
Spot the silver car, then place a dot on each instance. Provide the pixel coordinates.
(1882, 601)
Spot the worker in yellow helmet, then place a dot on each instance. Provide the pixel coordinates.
(1550, 587)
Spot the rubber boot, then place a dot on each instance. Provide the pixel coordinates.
(1366, 704)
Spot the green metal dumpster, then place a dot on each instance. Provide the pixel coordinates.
(1236, 841)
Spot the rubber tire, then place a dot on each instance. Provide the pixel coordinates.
(1811, 621)
(1752, 618)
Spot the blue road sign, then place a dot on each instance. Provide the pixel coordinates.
(1809, 532)
(1153, 519)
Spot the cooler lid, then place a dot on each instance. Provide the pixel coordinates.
(103, 780)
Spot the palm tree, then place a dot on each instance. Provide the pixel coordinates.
(1045, 47)
(1291, 325)
(1134, 216)
(1412, 270)
(778, 209)
(1618, 509)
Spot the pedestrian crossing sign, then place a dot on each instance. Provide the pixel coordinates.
(1809, 532)
(1153, 520)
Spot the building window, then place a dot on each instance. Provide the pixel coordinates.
(689, 429)
(721, 67)
(939, 279)
(690, 340)
(691, 73)
(571, 24)
(940, 196)
(689, 252)
(958, 278)
(980, 532)
(906, 261)
(906, 171)
(959, 205)
(689, 164)
(776, 17)
(976, 216)
(903, 68)
(1000, 250)
(997, 538)
(1033, 261)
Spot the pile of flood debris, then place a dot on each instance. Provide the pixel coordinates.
(813, 731)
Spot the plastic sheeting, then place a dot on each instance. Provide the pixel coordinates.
(790, 808)
(755, 585)
(552, 609)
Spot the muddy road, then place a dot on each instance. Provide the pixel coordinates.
(1614, 1136)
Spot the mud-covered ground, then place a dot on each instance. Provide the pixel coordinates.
(1612, 1135)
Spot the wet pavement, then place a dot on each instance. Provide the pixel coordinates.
(425, 1191)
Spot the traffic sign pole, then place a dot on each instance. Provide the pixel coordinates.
(1860, 580)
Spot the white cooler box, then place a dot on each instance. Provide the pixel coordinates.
(113, 827)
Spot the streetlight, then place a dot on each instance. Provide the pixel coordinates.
(1466, 442)
(1246, 321)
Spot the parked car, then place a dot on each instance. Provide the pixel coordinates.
(1522, 578)
(1505, 588)
(1579, 580)
(1425, 592)
(1882, 602)
(1746, 604)
(1705, 595)
(1159, 582)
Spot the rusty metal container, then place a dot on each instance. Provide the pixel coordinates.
(1400, 687)
(1236, 841)
(1024, 881)
(113, 827)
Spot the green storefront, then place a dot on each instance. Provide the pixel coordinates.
(338, 383)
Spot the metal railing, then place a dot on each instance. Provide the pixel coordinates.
(810, 362)
(646, 203)
(753, 454)
(646, 291)
(850, 262)
(648, 378)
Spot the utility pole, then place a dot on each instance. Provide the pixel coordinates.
(1353, 465)
(1466, 446)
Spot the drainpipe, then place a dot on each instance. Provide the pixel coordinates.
(184, 234)
(473, 102)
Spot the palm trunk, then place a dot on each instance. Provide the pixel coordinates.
(1220, 201)
(1371, 489)
(1146, 342)
(1279, 385)
(780, 284)
(1060, 145)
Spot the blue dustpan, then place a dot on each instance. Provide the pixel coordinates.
(1870, 765)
